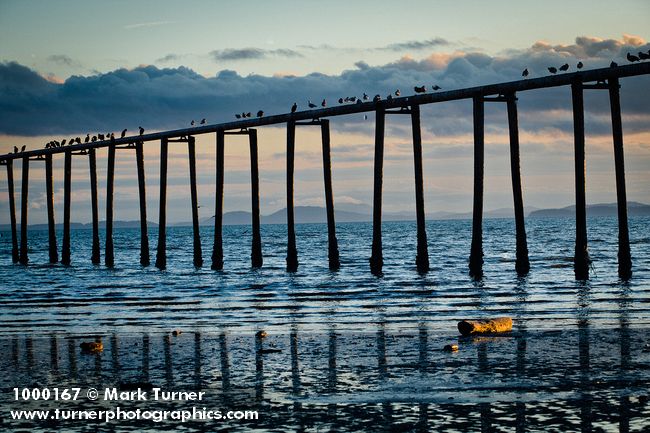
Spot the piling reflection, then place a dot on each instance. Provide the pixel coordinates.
(381, 381)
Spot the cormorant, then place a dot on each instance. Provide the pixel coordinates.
(202, 122)
(15, 149)
(436, 87)
(78, 140)
(141, 130)
(87, 138)
(260, 113)
(63, 142)
(420, 89)
(525, 73)
(324, 103)
(238, 116)
(564, 67)
(248, 114)
(340, 100)
(294, 107)
(579, 65)
(613, 64)
(552, 70)
(643, 56)
(22, 149)
(100, 137)
(377, 98)
(94, 138)
(192, 122)
(123, 133)
(632, 58)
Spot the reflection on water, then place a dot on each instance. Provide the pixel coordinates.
(577, 379)
(346, 351)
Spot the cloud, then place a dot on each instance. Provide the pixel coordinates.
(62, 59)
(168, 58)
(415, 45)
(146, 24)
(252, 54)
(166, 98)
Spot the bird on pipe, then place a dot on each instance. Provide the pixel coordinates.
(632, 58)
(613, 64)
(123, 133)
(22, 149)
(324, 103)
(141, 130)
(525, 73)
(78, 140)
(94, 138)
(87, 138)
(420, 89)
(311, 104)
(63, 142)
(15, 149)
(564, 67)
(377, 98)
(643, 56)
(202, 122)
(260, 113)
(340, 100)
(192, 122)
(365, 97)
(397, 92)
(100, 137)
(552, 70)
(579, 65)
(238, 116)
(436, 87)
(294, 107)
(248, 114)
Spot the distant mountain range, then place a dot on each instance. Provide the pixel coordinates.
(346, 212)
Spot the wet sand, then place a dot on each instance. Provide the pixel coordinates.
(579, 379)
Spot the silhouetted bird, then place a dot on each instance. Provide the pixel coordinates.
(579, 65)
(141, 130)
(353, 98)
(202, 122)
(243, 115)
(22, 149)
(359, 101)
(397, 92)
(643, 56)
(564, 67)
(100, 137)
(192, 122)
(63, 142)
(340, 100)
(389, 97)
(78, 140)
(377, 98)
(525, 73)
(15, 149)
(552, 70)
(87, 138)
(47, 145)
(613, 64)
(632, 58)
(71, 141)
(123, 133)
(94, 138)
(311, 104)
(436, 87)
(248, 114)
(420, 89)
(324, 103)
(260, 113)
(294, 107)
(365, 97)
(238, 116)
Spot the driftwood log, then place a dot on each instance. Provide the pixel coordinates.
(485, 326)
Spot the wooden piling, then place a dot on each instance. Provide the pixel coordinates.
(109, 258)
(581, 259)
(12, 211)
(144, 235)
(376, 259)
(256, 249)
(51, 227)
(624, 256)
(191, 150)
(476, 254)
(161, 251)
(92, 162)
(217, 247)
(522, 264)
(332, 243)
(23, 257)
(422, 257)
(292, 252)
(67, 179)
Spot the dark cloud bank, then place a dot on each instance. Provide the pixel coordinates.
(170, 97)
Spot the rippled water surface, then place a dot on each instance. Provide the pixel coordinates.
(42, 298)
(346, 351)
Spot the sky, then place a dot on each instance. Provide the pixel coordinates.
(69, 68)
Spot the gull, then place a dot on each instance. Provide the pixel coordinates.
(294, 107)
(564, 67)
(632, 58)
(260, 113)
(123, 133)
(397, 92)
(525, 73)
(311, 104)
(552, 70)
(141, 130)
(579, 65)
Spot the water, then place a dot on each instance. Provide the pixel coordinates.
(348, 351)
